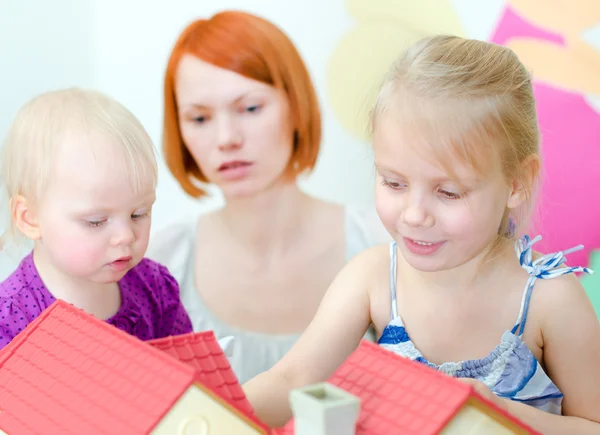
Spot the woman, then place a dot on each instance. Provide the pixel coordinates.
(241, 113)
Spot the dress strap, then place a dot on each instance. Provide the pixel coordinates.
(393, 266)
(545, 267)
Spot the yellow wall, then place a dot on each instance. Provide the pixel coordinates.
(473, 420)
(199, 413)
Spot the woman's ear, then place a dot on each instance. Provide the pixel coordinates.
(25, 217)
(523, 185)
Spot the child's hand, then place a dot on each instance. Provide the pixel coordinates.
(484, 391)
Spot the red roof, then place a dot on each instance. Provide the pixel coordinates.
(399, 395)
(71, 373)
(202, 352)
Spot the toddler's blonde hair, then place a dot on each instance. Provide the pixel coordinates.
(468, 101)
(41, 126)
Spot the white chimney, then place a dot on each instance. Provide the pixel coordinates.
(323, 409)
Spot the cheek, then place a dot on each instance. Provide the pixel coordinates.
(388, 208)
(142, 235)
(284, 155)
(274, 135)
(458, 222)
(77, 250)
(470, 219)
(274, 157)
(198, 144)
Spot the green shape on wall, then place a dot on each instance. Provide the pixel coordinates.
(591, 282)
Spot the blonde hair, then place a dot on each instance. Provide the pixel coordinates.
(41, 126)
(467, 100)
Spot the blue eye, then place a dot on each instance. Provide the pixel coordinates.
(253, 109)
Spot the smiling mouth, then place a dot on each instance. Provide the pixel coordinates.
(233, 165)
(419, 242)
(421, 247)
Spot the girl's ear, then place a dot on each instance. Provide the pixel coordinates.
(523, 185)
(25, 217)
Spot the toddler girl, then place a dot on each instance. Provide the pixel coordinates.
(80, 172)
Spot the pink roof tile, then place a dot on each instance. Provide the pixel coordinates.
(202, 351)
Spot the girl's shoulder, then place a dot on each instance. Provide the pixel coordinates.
(370, 270)
(557, 287)
(23, 297)
(22, 280)
(548, 267)
(148, 274)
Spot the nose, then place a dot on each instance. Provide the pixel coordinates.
(416, 213)
(123, 235)
(228, 135)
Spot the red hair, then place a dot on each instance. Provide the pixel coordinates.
(254, 48)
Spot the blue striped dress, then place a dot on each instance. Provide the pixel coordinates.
(510, 370)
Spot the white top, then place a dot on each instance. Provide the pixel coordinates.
(253, 352)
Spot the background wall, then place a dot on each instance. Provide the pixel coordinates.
(121, 47)
(43, 46)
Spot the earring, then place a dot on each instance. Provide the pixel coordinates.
(511, 227)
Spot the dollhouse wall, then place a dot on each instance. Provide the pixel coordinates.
(474, 420)
(199, 413)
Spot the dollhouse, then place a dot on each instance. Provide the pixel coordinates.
(70, 373)
(378, 392)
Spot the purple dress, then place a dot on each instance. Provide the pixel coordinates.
(150, 304)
